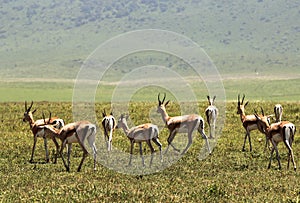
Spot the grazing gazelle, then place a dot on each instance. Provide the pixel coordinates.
(138, 134)
(211, 113)
(249, 122)
(77, 132)
(55, 121)
(186, 123)
(109, 124)
(278, 112)
(283, 131)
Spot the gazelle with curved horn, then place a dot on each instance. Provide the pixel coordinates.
(109, 124)
(278, 112)
(283, 131)
(186, 123)
(138, 134)
(249, 122)
(211, 113)
(38, 133)
(77, 132)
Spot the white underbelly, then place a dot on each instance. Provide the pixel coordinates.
(72, 139)
(277, 137)
(182, 129)
(252, 127)
(140, 137)
(40, 133)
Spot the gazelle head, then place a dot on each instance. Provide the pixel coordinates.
(241, 106)
(211, 101)
(161, 105)
(263, 121)
(122, 121)
(28, 114)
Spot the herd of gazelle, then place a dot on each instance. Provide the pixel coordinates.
(81, 131)
(280, 131)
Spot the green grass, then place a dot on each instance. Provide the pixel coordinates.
(228, 175)
(258, 89)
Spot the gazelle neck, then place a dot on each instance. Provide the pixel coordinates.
(125, 127)
(242, 115)
(31, 122)
(164, 115)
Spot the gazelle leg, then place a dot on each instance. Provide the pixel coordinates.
(151, 149)
(57, 149)
(110, 141)
(62, 157)
(206, 141)
(69, 154)
(46, 149)
(249, 138)
(91, 142)
(267, 143)
(190, 140)
(247, 135)
(156, 141)
(272, 151)
(291, 154)
(131, 151)
(85, 154)
(170, 140)
(141, 153)
(277, 156)
(33, 149)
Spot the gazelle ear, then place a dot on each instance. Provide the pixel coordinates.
(246, 103)
(208, 99)
(214, 98)
(103, 113)
(34, 111)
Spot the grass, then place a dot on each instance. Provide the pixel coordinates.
(43, 46)
(228, 175)
(258, 89)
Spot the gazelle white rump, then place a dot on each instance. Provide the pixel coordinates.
(283, 131)
(108, 124)
(211, 113)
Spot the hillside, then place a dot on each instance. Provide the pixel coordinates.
(45, 38)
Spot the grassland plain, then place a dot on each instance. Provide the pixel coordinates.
(228, 175)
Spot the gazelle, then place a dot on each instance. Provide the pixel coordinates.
(186, 123)
(278, 112)
(283, 131)
(141, 133)
(249, 122)
(37, 132)
(211, 113)
(109, 124)
(77, 132)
